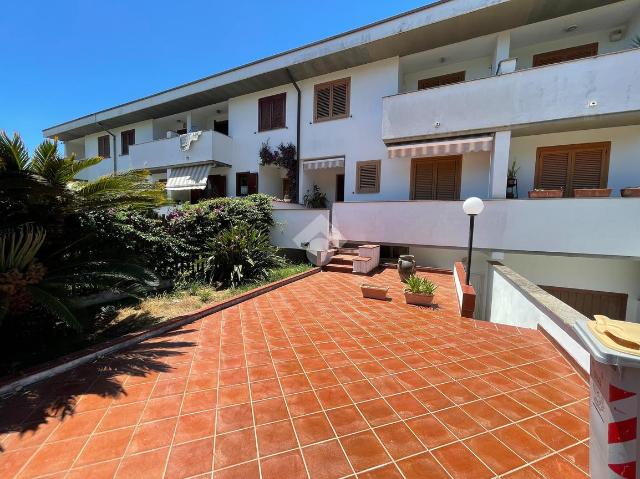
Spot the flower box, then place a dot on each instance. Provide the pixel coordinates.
(418, 299)
(373, 291)
(592, 192)
(633, 192)
(545, 193)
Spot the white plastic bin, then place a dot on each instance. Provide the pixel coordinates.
(613, 418)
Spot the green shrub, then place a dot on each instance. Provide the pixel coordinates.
(238, 255)
(418, 285)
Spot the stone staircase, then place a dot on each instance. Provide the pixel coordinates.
(353, 260)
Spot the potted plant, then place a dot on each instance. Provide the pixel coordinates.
(315, 199)
(373, 291)
(592, 192)
(512, 180)
(546, 193)
(630, 192)
(419, 291)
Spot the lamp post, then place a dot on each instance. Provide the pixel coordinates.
(472, 206)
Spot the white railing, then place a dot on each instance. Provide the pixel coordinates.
(606, 84)
(593, 226)
(210, 146)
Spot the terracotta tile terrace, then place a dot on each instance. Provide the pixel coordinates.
(311, 380)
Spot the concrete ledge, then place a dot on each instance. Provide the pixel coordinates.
(465, 292)
(527, 305)
(14, 383)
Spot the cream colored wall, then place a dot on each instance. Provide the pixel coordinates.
(624, 165)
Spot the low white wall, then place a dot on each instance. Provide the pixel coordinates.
(515, 301)
(296, 227)
(589, 226)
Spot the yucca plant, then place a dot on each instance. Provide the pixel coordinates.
(418, 285)
(25, 282)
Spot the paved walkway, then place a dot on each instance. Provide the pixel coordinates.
(311, 380)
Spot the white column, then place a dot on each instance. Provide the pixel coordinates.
(501, 52)
(188, 122)
(499, 164)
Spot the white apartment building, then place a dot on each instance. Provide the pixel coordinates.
(399, 121)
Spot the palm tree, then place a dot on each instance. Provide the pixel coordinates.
(49, 178)
(26, 283)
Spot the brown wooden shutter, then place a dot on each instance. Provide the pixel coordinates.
(104, 149)
(323, 103)
(252, 181)
(565, 55)
(441, 80)
(424, 176)
(436, 178)
(264, 114)
(278, 111)
(589, 169)
(340, 99)
(331, 100)
(368, 176)
(573, 166)
(127, 137)
(553, 170)
(447, 179)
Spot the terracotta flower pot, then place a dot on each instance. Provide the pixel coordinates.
(633, 192)
(418, 299)
(592, 192)
(545, 194)
(372, 291)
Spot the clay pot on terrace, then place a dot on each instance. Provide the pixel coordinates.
(545, 193)
(418, 299)
(631, 192)
(373, 291)
(592, 192)
(406, 266)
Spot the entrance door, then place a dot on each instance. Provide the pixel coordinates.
(436, 178)
(588, 302)
(339, 187)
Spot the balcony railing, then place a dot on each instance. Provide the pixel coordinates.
(210, 146)
(594, 226)
(602, 85)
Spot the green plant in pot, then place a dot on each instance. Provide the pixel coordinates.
(419, 291)
(315, 199)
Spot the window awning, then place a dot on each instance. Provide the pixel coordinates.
(322, 163)
(454, 146)
(188, 177)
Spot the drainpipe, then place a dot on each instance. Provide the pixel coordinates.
(297, 134)
(115, 152)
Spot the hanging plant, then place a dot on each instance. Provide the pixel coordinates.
(284, 156)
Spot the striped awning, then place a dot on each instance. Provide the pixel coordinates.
(454, 146)
(322, 163)
(188, 177)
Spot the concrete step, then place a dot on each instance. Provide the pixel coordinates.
(342, 259)
(350, 251)
(339, 268)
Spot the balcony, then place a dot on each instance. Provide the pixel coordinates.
(587, 88)
(211, 146)
(594, 226)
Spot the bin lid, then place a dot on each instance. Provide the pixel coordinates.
(610, 341)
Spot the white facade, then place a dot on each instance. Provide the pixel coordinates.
(503, 96)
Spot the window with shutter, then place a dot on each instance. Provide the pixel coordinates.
(104, 143)
(436, 178)
(565, 55)
(246, 183)
(272, 112)
(331, 100)
(368, 176)
(127, 138)
(572, 166)
(441, 80)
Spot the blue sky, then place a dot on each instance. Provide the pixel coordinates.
(68, 58)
